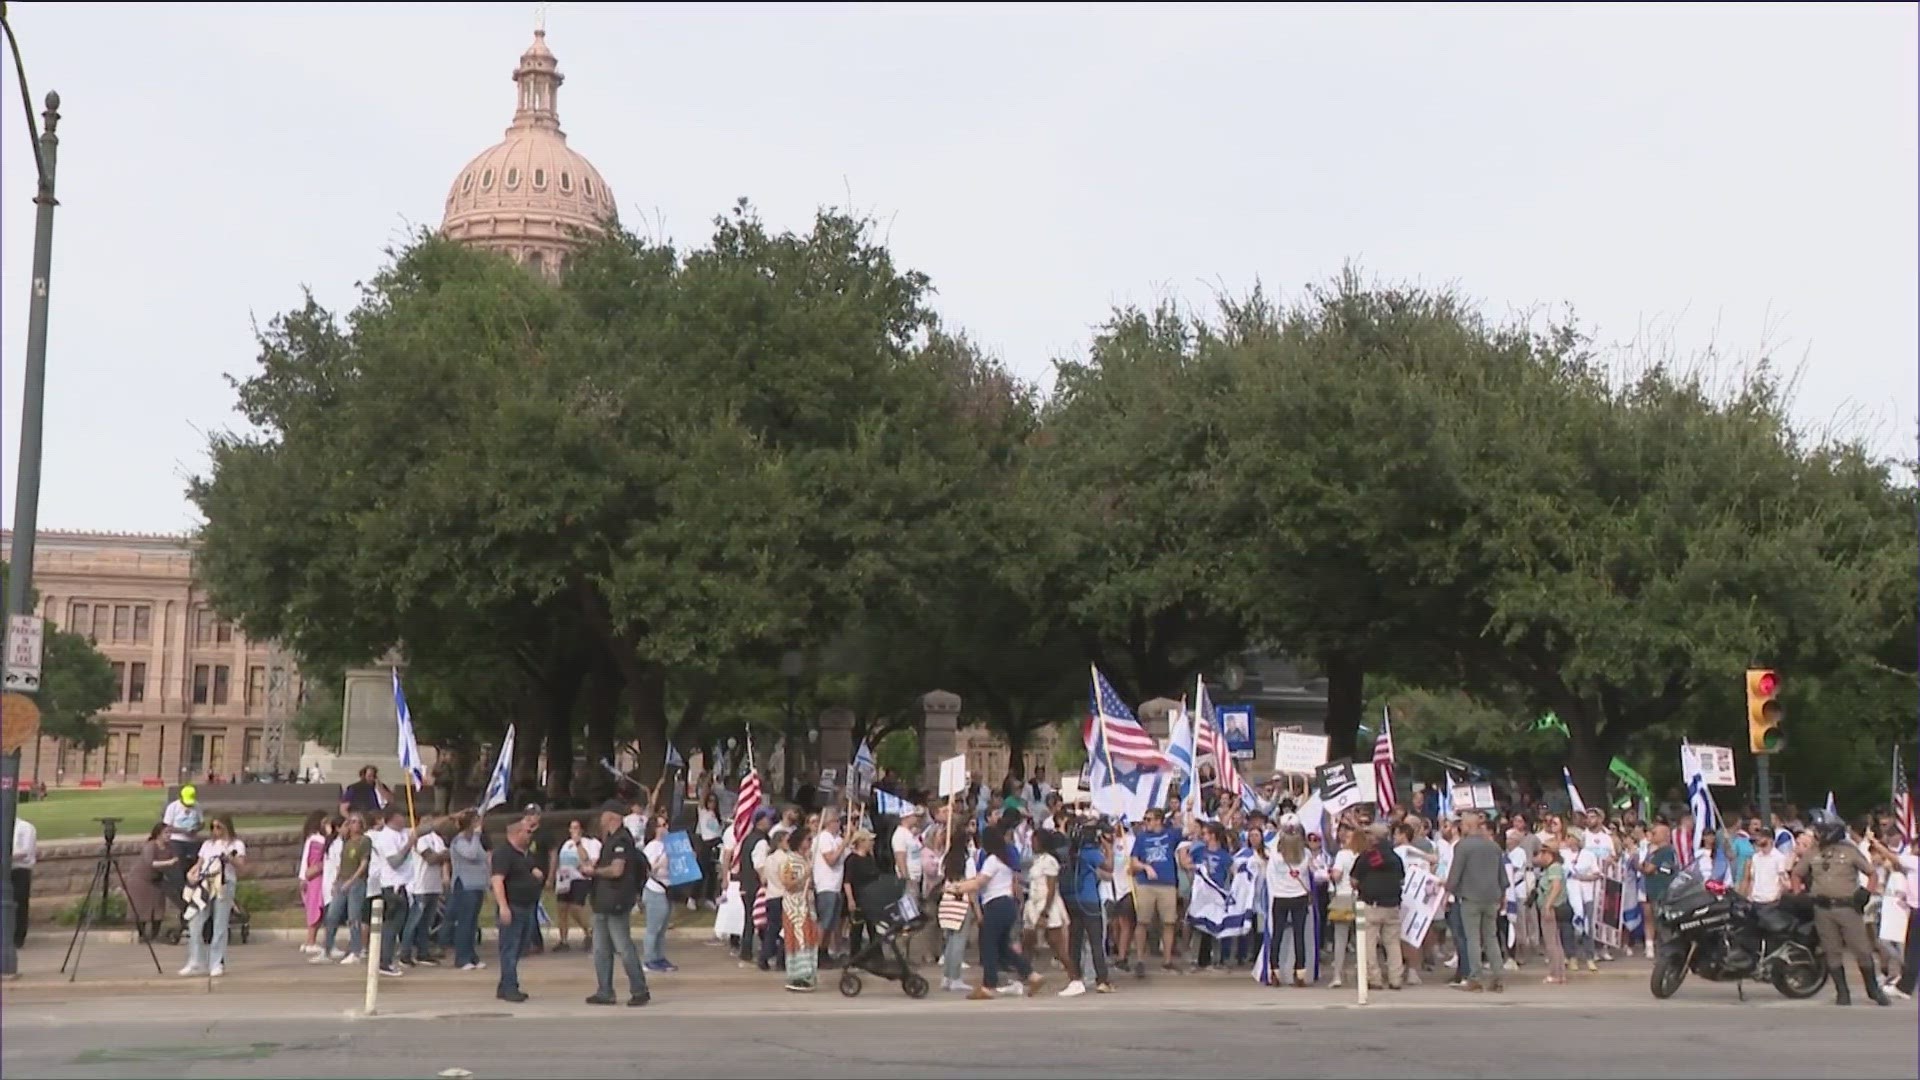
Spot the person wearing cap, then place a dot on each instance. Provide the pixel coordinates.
(614, 876)
(183, 819)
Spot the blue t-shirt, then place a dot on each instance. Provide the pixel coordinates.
(1155, 849)
(1086, 889)
(1214, 864)
(1742, 851)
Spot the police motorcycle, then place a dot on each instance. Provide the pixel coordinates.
(1721, 936)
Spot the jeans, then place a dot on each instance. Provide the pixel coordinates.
(826, 907)
(514, 936)
(658, 914)
(1463, 968)
(955, 951)
(1290, 913)
(215, 954)
(1483, 938)
(416, 941)
(460, 930)
(347, 906)
(393, 920)
(997, 919)
(1089, 927)
(612, 931)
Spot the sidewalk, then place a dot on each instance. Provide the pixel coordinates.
(272, 964)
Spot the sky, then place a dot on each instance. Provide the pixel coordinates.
(1683, 179)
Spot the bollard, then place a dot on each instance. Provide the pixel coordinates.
(1364, 951)
(373, 957)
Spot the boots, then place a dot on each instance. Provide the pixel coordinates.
(1840, 995)
(1874, 991)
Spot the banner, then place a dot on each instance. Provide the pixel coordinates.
(1334, 782)
(683, 866)
(1423, 898)
(1294, 753)
(1716, 765)
(1609, 927)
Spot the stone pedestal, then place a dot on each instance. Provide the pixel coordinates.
(370, 728)
(836, 741)
(1157, 716)
(939, 734)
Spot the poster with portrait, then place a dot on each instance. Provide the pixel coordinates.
(1609, 929)
(1236, 723)
(1423, 898)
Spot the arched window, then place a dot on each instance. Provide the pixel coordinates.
(486, 180)
(539, 179)
(513, 179)
(589, 181)
(566, 181)
(466, 184)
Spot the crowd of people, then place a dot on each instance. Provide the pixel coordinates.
(1007, 877)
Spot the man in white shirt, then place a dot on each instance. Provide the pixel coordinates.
(829, 869)
(1766, 871)
(183, 819)
(388, 874)
(424, 889)
(26, 852)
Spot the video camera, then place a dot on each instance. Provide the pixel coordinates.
(109, 827)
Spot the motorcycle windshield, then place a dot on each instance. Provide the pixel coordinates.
(1688, 890)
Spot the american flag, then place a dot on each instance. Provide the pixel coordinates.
(1211, 740)
(1902, 798)
(1115, 733)
(1383, 765)
(744, 806)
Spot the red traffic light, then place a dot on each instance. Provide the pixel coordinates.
(1767, 684)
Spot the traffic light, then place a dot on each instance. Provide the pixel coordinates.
(1764, 713)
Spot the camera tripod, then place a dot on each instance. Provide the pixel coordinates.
(104, 871)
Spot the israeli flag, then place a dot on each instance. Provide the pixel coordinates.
(409, 749)
(863, 763)
(887, 804)
(1832, 807)
(1573, 793)
(1180, 748)
(1699, 799)
(501, 776)
(674, 760)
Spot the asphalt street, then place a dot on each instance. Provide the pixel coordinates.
(1612, 1030)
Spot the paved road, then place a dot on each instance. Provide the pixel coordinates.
(1603, 1030)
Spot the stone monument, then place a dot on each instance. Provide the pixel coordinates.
(939, 734)
(370, 725)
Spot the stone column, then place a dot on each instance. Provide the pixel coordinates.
(1157, 716)
(939, 735)
(836, 741)
(370, 727)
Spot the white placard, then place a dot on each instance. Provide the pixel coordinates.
(24, 640)
(1295, 753)
(1367, 788)
(1422, 899)
(1483, 797)
(1716, 765)
(953, 775)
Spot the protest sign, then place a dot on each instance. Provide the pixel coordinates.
(1296, 753)
(683, 866)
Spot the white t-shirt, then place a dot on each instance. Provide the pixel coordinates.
(636, 826)
(762, 855)
(906, 843)
(428, 878)
(1600, 842)
(1442, 857)
(381, 874)
(211, 852)
(999, 879)
(826, 877)
(26, 844)
(330, 869)
(182, 819)
(1286, 881)
(1582, 892)
(1122, 883)
(656, 853)
(1343, 873)
(1411, 857)
(1769, 868)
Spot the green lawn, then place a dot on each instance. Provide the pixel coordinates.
(68, 815)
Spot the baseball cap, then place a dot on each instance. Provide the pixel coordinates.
(188, 796)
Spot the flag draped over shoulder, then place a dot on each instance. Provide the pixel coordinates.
(1225, 910)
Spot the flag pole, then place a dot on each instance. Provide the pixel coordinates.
(1100, 718)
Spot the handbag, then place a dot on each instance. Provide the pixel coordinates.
(953, 912)
(1341, 909)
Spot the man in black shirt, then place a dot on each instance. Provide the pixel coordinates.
(362, 797)
(545, 853)
(516, 893)
(616, 886)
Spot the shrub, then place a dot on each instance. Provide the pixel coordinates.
(112, 913)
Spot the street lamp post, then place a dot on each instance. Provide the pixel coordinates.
(26, 497)
(791, 665)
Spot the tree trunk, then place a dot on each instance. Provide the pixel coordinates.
(1346, 697)
(647, 702)
(1017, 734)
(559, 698)
(525, 770)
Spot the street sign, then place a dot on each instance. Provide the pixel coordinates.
(19, 721)
(24, 640)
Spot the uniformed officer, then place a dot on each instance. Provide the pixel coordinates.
(1832, 877)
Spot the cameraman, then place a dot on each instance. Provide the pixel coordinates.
(1090, 861)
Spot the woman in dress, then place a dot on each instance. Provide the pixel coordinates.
(802, 926)
(146, 903)
(315, 836)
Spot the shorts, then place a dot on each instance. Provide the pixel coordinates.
(1122, 908)
(577, 893)
(1152, 900)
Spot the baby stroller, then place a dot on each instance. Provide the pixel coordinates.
(892, 915)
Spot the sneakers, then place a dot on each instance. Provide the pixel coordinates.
(350, 959)
(217, 971)
(392, 971)
(980, 993)
(321, 958)
(599, 1000)
(1413, 977)
(1074, 989)
(475, 966)
(1335, 984)
(639, 1001)
(1139, 969)
(660, 967)
(427, 961)
(1591, 966)
(1103, 988)
(1035, 982)
(514, 996)
(1012, 989)
(191, 970)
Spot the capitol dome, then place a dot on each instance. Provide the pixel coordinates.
(530, 195)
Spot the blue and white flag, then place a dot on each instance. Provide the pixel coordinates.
(502, 776)
(1699, 799)
(1180, 748)
(1832, 807)
(887, 804)
(1446, 798)
(1573, 793)
(863, 763)
(674, 760)
(1224, 911)
(409, 749)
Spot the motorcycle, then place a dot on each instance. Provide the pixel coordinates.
(1723, 937)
